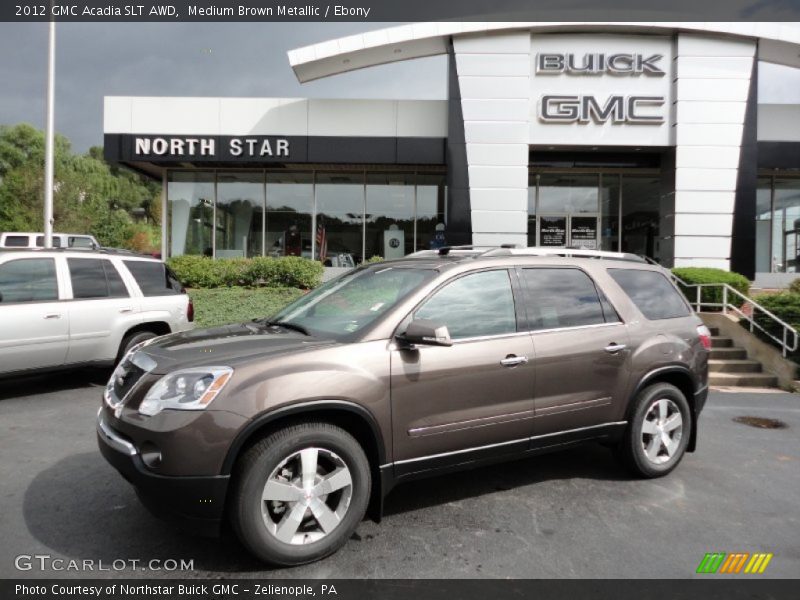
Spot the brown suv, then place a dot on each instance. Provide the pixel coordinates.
(292, 427)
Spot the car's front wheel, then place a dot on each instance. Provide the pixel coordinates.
(299, 493)
(658, 432)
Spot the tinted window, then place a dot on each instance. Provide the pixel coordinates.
(474, 305)
(79, 242)
(88, 277)
(562, 298)
(16, 241)
(652, 293)
(28, 280)
(154, 278)
(40, 241)
(116, 287)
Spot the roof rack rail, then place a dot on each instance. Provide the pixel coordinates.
(564, 252)
(97, 249)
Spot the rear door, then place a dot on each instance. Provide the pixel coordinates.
(34, 324)
(456, 404)
(581, 348)
(162, 295)
(101, 310)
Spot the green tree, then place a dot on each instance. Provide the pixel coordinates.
(90, 196)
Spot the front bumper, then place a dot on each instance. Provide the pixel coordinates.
(194, 503)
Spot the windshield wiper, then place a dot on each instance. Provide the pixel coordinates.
(289, 325)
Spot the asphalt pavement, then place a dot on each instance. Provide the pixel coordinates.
(572, 514)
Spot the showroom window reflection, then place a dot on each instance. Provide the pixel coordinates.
(778, 224)
(338, 217)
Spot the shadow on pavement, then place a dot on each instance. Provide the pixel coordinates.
(591, 461)
(83, 509)
(56, 381)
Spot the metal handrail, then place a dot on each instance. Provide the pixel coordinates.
(789, 333)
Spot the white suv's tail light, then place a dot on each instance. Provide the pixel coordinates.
(705, 336)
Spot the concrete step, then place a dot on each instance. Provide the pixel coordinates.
(743, 380)
(734, 366)
(728, 354)
(721, 342)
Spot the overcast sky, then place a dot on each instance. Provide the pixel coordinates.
(207, 59)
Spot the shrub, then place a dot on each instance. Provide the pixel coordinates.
(375, 259)
(794, 287)
(284, 272)
(692, 275)
(785, 306)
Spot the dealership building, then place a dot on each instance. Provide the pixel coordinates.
(640, 137)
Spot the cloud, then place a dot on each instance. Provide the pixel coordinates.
(180, 59)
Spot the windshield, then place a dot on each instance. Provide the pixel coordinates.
(346, 305)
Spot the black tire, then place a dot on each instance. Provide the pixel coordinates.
(632, 449)
(130, 340)
(249, 514)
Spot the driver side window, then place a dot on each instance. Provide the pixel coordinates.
(479, 304)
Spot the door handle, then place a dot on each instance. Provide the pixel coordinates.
(53, 316)
(126, 310)
(613, 348)
(512, 360)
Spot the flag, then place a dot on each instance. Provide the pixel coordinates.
(322, 241)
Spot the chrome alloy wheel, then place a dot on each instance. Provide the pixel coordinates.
(306, 496)
(662, 430)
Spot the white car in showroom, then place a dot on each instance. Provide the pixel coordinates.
(64, 308)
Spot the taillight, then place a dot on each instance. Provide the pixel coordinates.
(190, 311)
(705, 336)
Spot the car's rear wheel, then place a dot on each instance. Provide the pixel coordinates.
(130, 340)
(657, 435)
(299, 493)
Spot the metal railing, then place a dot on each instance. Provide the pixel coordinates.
(735, 302)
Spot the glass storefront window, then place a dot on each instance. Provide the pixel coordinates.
(764, 261)
(290, 205)
(340, 218)
(641, 214)
(431, 211)
(389, 230)
(786, 225)
(561, 193)
(240, 214)
(190, 196)
(609, 212)
(532, 183)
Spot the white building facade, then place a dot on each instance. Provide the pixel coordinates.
(641, 137)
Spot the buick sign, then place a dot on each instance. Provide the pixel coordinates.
(598, 64)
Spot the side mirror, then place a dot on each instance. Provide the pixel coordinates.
(423, 332)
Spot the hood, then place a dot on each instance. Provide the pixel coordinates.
(228, 345)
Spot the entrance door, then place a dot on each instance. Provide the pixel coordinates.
(569, 231)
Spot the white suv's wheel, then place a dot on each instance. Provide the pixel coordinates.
(300, 493)
(658, 432)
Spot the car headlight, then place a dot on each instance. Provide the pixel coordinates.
(187, 389)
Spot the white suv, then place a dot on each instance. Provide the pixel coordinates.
(82, 307)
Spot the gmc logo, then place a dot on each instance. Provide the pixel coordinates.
(586, 109)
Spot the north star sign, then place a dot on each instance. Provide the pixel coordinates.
(210, 147)
(615, 108)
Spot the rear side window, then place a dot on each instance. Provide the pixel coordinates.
(154, 278)
(16, 241)
(79, 242)
(556, 298)
(652, 293)
(28, 280)
(95, 278)
(40, 241)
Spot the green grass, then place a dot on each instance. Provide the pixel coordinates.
(221, 306)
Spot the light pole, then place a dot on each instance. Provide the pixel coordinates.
(49, 149)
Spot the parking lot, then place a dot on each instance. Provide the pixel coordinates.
(574, 514)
